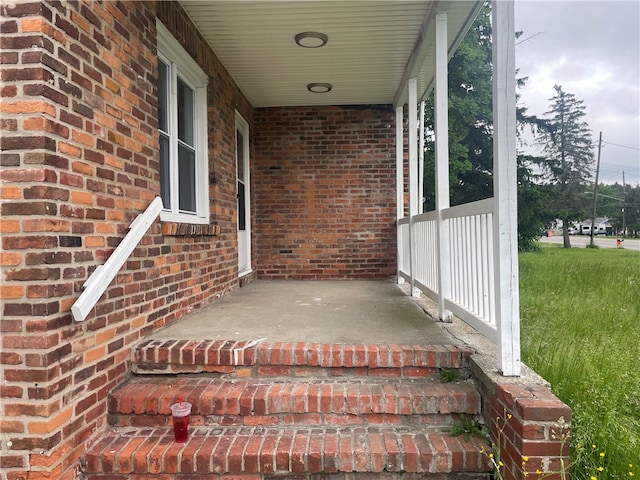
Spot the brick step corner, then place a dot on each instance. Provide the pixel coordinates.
(267, 452)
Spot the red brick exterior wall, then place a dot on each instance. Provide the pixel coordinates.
(323, 184)
(79, 140)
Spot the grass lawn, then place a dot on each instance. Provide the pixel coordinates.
(580, 311)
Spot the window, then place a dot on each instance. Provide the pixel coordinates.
(182, 124)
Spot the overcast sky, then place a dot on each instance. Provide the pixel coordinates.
(592, 50)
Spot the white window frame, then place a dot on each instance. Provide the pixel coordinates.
(181, 63)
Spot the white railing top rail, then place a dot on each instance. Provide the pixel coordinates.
(102, 276)
(468, 209)
(422, 217)
(426, 217)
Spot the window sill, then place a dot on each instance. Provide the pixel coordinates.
(174, 229)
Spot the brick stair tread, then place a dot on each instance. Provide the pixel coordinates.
(276, 396)
(193, 356)
(238, 450)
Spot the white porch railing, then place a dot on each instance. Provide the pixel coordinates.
(471, 260)
(102, 276)
(465, 257)
(426, 261)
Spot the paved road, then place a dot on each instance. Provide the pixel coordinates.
(602, 242)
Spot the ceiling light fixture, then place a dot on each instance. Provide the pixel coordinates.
(319, 87)
(311, 39)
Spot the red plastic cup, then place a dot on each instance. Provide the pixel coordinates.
(180, 413)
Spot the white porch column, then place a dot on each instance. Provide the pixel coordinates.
(441, 125)
(505, 189)
(399, 187)
(421, 160)
(413, 178)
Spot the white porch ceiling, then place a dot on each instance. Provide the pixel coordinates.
(373, 47)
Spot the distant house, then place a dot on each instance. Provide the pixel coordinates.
(602, 227)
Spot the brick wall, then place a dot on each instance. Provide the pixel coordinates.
(79, 161)
(530, 426)
(323, 184)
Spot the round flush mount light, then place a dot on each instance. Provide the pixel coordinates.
(319, 87)
(311, 39)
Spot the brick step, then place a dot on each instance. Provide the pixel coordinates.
(248, 358)
(303, 411)
(282, 401)
(263, 453)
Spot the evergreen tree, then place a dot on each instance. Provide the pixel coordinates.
(534, 214)
(632, 210)
(567, 161)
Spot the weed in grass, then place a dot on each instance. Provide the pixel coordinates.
(580, 311)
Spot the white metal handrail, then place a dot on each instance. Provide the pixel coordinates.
(102, 276)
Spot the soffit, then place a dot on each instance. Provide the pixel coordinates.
(371, 45)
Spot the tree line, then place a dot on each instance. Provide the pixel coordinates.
(555, 184)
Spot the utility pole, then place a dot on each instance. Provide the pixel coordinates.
(595, 191)
(624, 209)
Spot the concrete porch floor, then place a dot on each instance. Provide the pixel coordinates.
(323, 311)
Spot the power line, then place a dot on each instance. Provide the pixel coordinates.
(623, 146)
(609, 196)
(529, 38)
